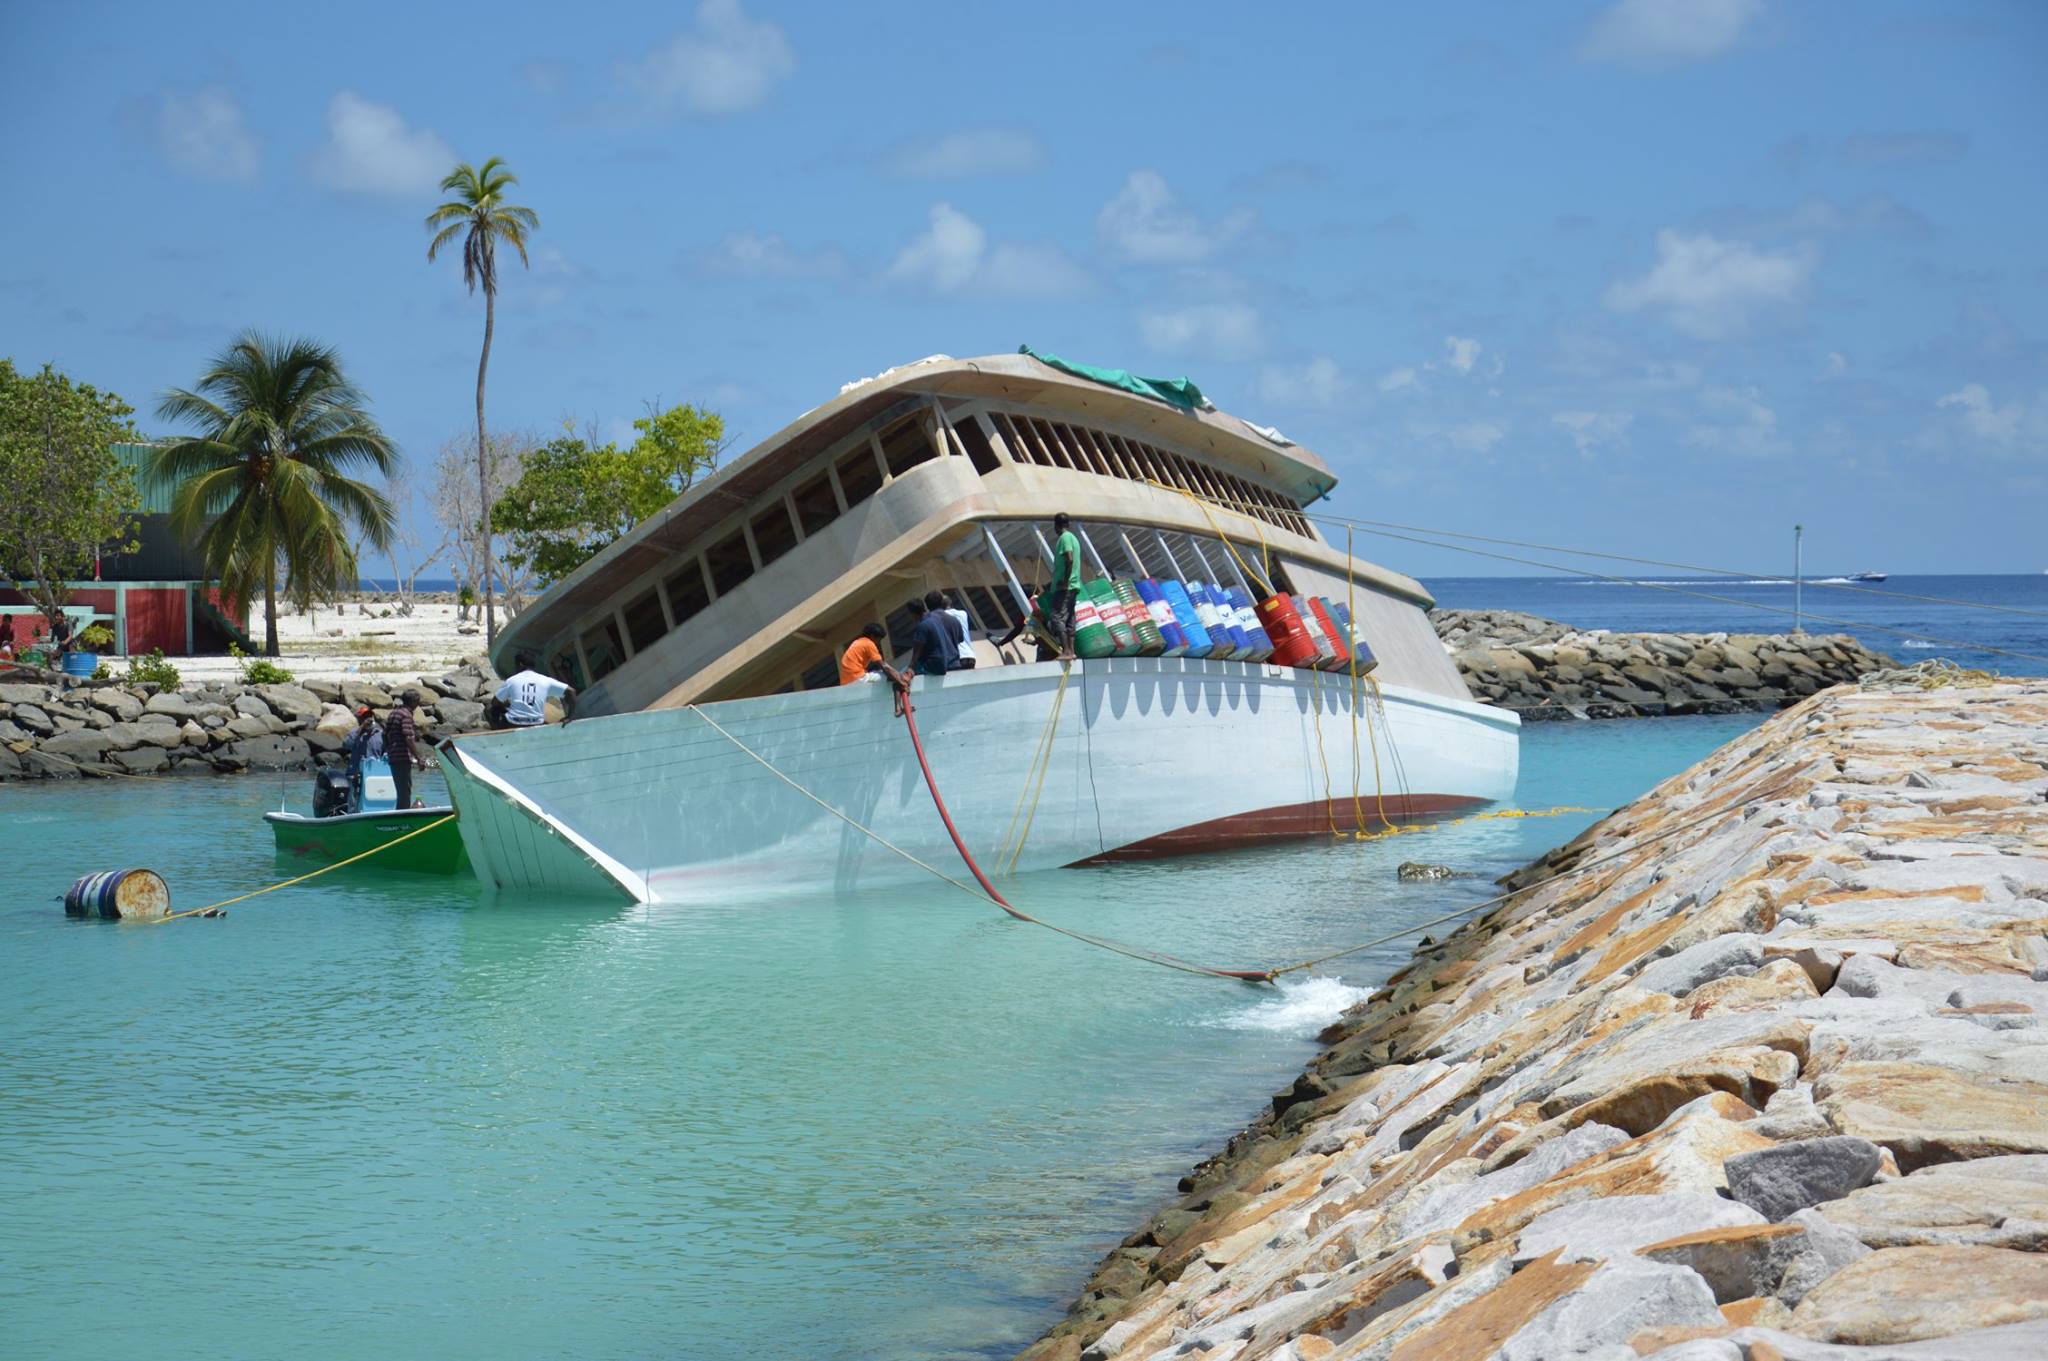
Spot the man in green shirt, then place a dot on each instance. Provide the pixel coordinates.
(1065, 586)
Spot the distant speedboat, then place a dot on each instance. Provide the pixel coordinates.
(1868, 576)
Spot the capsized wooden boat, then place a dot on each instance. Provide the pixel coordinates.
(310, 842)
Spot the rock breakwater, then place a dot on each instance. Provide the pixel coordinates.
(51, 731)
(1543, 669)
(1772, 1088)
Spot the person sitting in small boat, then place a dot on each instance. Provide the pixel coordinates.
(954, 622)
(523, 698)
(931, 647)
(365, 743)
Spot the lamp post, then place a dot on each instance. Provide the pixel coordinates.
(1798, 575)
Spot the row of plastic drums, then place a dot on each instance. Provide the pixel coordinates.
(1169, 618)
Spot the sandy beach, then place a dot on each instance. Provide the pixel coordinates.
(367, 638)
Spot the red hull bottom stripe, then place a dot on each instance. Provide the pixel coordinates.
(1289, 822)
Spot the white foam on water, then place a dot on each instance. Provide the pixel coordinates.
(1300, 1008)
(1916, 644)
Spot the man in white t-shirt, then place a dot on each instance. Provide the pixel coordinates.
(524, 697)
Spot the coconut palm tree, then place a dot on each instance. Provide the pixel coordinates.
(265, 485)
(479, 214)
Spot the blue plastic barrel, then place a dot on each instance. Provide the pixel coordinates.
(1213, 620)
(1258, 644)
(1184, 614)
(1162, 617)
(81, 663)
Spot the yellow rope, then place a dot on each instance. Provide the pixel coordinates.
(1203, 505)
(315, 874)
(1034, 783)
(1316, 688)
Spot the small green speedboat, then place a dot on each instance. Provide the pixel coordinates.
(335, 833)
(313, 842)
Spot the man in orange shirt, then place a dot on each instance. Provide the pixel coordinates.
(863, 655)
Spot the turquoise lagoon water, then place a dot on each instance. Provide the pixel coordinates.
(388, 1117)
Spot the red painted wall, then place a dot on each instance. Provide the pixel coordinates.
(156, 620)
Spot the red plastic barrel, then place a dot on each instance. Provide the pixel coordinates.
(1291, 644)
(1321, 609)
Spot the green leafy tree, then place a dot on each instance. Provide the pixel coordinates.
(281, 430)
(67, 495)
(575, 495)
(480, 215)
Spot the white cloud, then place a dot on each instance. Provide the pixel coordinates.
(1739, 423)
(1983, 417)
(1317, 383)
(370, 150)
(204, 133)
(1400, 380)
(953, 256)
(1834, 366)
(1647, 34)
(1593, 430)
(961, 155)
(1460, 353)
(724, 64)
(1708, 287)
(1474, 437)
(1211, 330)
(1147, 225)
(765, 255)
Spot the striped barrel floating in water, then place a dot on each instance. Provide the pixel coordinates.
(119, 895)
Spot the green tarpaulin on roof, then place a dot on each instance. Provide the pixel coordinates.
(1173, 391)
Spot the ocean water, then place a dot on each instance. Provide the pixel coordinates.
(385, 1116)
(2005, 613)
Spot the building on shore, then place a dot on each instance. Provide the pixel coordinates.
(156, 598)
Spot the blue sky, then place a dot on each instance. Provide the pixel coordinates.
(1648, 277)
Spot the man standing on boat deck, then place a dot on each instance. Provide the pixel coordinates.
(402, 746)
(954, 622)
(1065, 587)
(931, 648)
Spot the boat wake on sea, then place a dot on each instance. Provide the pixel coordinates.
(1300, 1007)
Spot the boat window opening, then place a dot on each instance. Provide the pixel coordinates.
(1029, 437)
(1119, 457)
(902, 629)
(823, 676)
(1084, 448)
(645, 622)
(602, 646)
(774, 535)
(687, 593)
(907, 444)
(816, 506)
(1148, 459)
(1039, 453)
(729, 561)
(1057, 454)
(974, 439)
(567, 666)
(860, 476)
(987, 606)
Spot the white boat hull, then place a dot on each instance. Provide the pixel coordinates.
(1149, 756)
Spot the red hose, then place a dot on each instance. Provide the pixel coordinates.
(910, 720)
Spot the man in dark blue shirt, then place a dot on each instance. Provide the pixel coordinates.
(931, 647)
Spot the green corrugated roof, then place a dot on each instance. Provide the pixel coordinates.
(155, 500)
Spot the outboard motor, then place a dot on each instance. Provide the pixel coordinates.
(330, 793)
